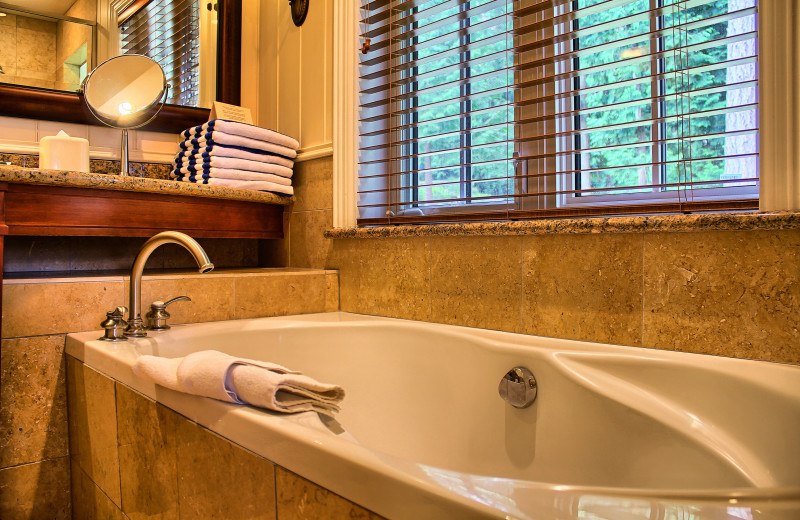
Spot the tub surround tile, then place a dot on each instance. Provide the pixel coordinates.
(133, 183)
(730, 293)
(476, 282)
(331, 291)
(33, 415)
(108, 253)
(300, 499)
(217, 479)
(93, 426)
(88, 501)
(223, 253)
(26, 254)
(44, 309)
(289, 293)
(672, 223)
(147, 460)
(572, 289)
(212, 298)
(308, 246)
(313, 184)
(384, 277)
(38, 490)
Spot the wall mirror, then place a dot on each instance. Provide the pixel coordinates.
(73, 36)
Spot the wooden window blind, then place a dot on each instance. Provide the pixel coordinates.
(169, 32)
(500, 109)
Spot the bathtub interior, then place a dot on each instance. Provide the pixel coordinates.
(604, 416)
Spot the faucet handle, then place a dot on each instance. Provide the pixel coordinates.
(115, 324)
(158, 315)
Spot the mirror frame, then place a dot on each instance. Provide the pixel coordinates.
(69, 107)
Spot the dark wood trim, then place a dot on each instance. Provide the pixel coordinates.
(35, 210)
(68, 107)
(607, 211)
(131, 10)
(229, 51)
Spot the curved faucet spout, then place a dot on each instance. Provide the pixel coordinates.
(135, 323)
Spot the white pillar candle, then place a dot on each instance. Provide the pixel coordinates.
(62, 152)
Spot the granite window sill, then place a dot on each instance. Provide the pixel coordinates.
(627, 224)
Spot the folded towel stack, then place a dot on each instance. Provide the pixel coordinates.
(236, 155)
(244, 381)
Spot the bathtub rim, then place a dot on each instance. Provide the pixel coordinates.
(107, 362)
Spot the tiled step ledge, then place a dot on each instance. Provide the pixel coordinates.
(62, 304)
(637, 224)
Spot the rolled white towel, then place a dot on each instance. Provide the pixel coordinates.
(243, 130)
(230, 163)
(190, 175)
(219, 150)
(239, 380)
(216, 137)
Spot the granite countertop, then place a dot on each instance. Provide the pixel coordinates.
(628, 224)
(102, 181)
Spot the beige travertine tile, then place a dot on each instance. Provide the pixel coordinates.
(8, 48)
(38, 490)
(586, 287)
(108, 253)
(475, 281)
(36, 24)
(93, 426)
(280, 294)
(148, 471)
(212, 298)
(331, 292)
(35, 74)
(313, 184)
(384, 277)
(223, 252)
(36, 49)
(39, 83)
(28, 254)
(88, 501)
(39, 309)
(217, 479)
(9, 20)
(299, 499)
(307, 245)
(33, 415)
(730, 293)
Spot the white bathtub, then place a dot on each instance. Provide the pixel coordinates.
(423, 433)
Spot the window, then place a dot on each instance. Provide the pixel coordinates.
(492, 109)
(167, 31)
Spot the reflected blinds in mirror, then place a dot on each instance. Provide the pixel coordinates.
(500, 109)
(168, 31)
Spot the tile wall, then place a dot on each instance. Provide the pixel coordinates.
(28, 51)
(39, 312)
(730, 293)
(132, 458)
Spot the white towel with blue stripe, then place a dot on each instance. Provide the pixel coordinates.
(273, 187)
(231, 379)
(185, 174)
(219, 151)
(217, 137)
(243, 130)
(229, 163)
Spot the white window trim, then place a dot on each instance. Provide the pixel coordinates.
(779, 108)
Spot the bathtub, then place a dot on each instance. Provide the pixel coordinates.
(424, 434)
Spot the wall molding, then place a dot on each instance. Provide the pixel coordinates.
(779, 102)
(345, 112)
(314, 152)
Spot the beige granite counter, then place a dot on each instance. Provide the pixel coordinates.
(17, 174)
(649, 223)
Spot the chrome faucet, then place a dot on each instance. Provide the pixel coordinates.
(136, 327)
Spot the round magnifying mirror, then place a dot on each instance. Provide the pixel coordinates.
(125, 92)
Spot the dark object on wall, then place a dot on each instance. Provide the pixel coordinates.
(299, 11)
(57, 105)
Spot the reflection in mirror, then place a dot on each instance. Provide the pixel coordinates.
(54, 43)
(47, 51)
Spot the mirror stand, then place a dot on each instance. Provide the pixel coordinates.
(124, 154)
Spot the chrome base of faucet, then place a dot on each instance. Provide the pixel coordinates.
(136, 328)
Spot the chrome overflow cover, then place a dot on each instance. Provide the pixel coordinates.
(518, 387)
